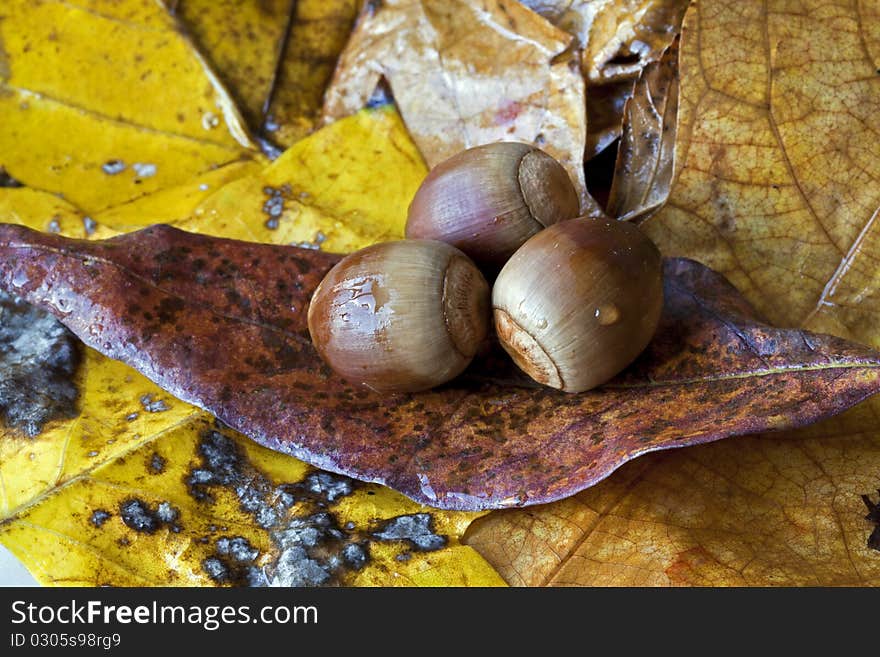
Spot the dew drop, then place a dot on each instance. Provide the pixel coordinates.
(542, 323)
(608, 314)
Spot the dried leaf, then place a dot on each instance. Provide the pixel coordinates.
(465, 74)
(605, 103)
(775, 185)
(646, 154)
(618, 39)
(66, 130)
(776, 181)
(277, 65)
(221, 324)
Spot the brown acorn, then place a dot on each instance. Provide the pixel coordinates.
(487, 201)
(400, 316)
(579, 302)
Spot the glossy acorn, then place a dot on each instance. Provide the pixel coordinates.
(579, 302)
(487, 201)
(400, 316)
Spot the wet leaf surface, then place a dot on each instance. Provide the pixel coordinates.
(646, 153)
(222, 324)
(465, 74)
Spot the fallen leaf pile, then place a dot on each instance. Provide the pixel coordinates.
(751, 147)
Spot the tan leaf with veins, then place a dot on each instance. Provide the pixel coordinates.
(776, 185)
(465, 74)
(778, 174)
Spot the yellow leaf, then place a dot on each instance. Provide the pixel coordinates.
(198, 505)
(171, 204)
(776, 186)
(41, 211)
(324, 191)
(244, 40)
(111, 422)
(106, 106)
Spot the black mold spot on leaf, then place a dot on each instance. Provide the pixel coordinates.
(38, 360)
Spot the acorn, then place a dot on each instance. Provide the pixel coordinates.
(579, 301)
(487, 201)
(400, 316)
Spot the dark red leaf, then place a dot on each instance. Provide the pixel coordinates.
(222, 324)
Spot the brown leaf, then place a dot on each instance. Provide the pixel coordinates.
(605, 103)
(221, 324)
(646, 154)
(618, 38)
(465, 74)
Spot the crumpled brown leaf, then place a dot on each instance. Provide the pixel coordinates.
(465, 74)
(618, 38)
(221, 324)
(646, 153)
(616, 41)
(775, 184)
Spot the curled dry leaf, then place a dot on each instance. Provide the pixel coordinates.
(617, 39)
(646, 154)
(605, 103)
(276, 64)
(775, 185)
(164, 117)
(222, 324)
(465, 74)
